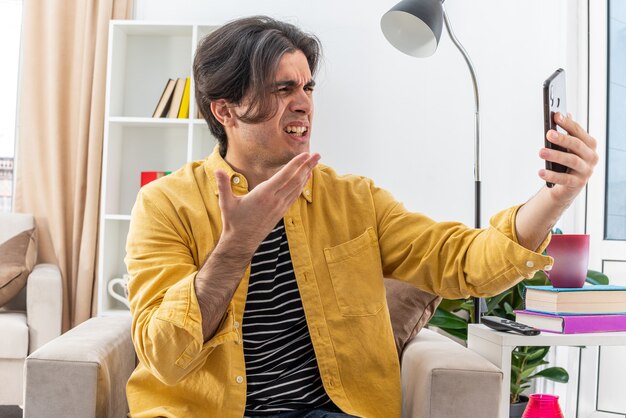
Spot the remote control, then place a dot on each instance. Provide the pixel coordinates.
(502, 324)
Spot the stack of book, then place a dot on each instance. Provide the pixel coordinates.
(174, 101)
(599, 308)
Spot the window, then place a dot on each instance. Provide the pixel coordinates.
(10, 27)
(600, 384)
(615, 226)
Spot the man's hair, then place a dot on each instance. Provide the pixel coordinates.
(241, 59)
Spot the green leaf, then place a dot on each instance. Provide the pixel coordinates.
(537, 352)
(536, 363)
(451, 305)
(516, 389)
(556, 374)
(446, 320)
(508, 308)
(520, 354)
(528, 371)
(468, 305)
(519, 296)
(499, 312)
(597, 277)
(539, 279)
(557, 231)
(495, 301)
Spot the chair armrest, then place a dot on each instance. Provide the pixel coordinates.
(82, 373)
(44, 305)
(441, 378)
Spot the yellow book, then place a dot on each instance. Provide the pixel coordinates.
(183, 113)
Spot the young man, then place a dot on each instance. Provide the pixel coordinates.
(257, 274)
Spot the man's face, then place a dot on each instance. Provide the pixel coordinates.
(273, 143)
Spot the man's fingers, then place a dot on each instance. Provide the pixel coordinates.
(578, 153)
(289, 169)
(293, 187)
(581, 146)
(309, 164)
(564, 179)
(223, 186)
(574, 129)
(580, 157)
(568, 159)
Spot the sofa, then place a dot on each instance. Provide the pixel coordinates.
(31, 318)
(83, 373)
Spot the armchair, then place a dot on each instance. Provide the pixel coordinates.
(30, 319)
(83, 374)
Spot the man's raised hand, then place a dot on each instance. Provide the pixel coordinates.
(580, 159)
(248, 219)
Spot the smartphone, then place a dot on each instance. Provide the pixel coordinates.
(554, 101)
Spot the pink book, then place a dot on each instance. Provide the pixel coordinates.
(572, 324)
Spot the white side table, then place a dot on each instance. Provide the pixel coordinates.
(497, 346)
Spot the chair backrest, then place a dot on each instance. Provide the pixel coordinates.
(12, 224)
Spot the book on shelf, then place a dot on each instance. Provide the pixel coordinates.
(166, 98)
(183, 112)
(148, 176)
(177, 97)
(594, 299)
(572, 324)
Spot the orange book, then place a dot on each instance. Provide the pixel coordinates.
(177, 97)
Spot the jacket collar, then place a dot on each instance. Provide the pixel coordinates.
(238, 181)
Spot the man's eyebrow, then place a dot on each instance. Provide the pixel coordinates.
(293, 83)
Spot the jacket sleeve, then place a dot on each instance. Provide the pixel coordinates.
(167, 323)
(448, 258)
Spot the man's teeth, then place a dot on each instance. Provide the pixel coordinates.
(298, 130)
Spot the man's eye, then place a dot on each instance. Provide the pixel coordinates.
(309, 88)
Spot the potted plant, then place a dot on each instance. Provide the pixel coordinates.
(453, 316)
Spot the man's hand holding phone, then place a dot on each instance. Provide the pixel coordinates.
(570, 152)
(580, 158)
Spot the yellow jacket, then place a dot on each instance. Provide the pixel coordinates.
(345, 235)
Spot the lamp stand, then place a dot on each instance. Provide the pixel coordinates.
(479, 303)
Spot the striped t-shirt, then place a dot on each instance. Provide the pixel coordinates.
(281, 368)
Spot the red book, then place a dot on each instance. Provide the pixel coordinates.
(148, 176)
(572, 324)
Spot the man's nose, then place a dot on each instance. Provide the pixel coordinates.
(302, 102)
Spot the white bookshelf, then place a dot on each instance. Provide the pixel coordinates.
(142, 56)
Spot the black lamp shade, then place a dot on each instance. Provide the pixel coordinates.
(414, 26)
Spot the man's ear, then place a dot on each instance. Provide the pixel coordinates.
(223, 112)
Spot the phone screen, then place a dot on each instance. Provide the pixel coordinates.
(553, 102)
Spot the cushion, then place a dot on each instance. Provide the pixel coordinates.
(409, 309)
(17, 259)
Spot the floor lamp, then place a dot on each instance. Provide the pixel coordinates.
(414, 27)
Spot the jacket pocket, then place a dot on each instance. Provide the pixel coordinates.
(356, 275)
